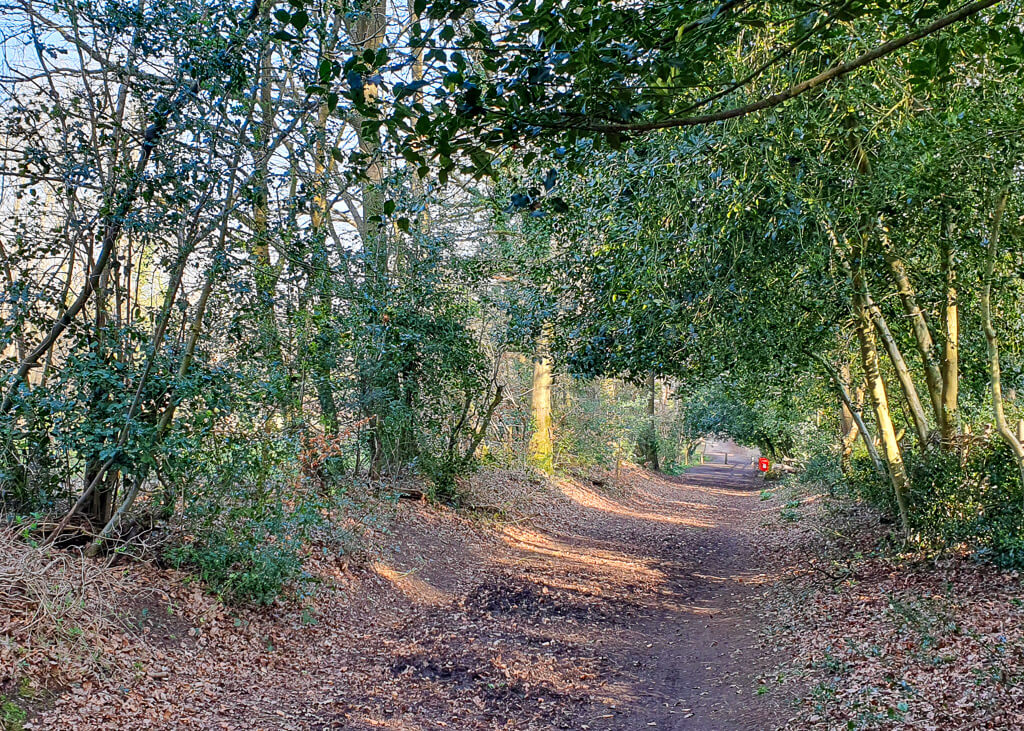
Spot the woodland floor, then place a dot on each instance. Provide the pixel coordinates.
(608, 606)
(690, 602)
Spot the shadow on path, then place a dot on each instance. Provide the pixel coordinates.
(617, 609)
(675, 580)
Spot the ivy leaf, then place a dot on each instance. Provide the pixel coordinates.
(300, 20)
(550, 180)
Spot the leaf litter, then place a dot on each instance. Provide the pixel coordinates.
(591, 602)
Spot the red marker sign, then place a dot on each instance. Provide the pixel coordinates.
(763, 464)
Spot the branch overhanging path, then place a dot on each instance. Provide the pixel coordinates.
(835, 72)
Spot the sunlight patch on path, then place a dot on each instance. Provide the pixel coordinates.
(413, 587)
(591, 499)
(610, 563)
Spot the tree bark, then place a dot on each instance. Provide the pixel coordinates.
(855, 413)
(321, 283)
(902, 371)
(951, 344)
(922, 336)
(848, 428)
(880, 402)
(992, 339)
(541, 450)
(366, 29)
(846, 422)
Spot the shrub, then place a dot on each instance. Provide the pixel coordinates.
(866, 484)
(823, 469)
(443, 472)
(244, 516)
(243, 560)
(971, 498)
(254, 501)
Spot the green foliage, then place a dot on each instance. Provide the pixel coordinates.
(30, 476)
(240, 557)
(973, 499)
(443, 471)
(823, 469)
(12, 716)
(590, 429)
(554, 74)
(866, 484)
(425, 373)
(600, 421)
(242, 526)
(772, 422)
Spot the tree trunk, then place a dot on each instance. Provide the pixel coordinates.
(648, 444)
(98, 509)
(541, 449)
(992, 340)
(321, 283)
(902, 371)
(848, 428)
(846, 422)
(951, 346)
(264, 273)
(366, 27)
(880, 402)
(922, 335)
(855, 413)
(869, 357)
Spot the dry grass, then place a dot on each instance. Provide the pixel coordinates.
(52, 612)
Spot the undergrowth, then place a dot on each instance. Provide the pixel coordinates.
(967, 499)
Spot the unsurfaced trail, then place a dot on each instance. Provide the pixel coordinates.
(616, 609)
(603, 605)
(682, 647)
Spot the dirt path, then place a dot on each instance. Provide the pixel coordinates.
(612, 613)
(611, 608)
(680, 637)
(688, 655)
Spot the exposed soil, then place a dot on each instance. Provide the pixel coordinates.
(627, 606)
